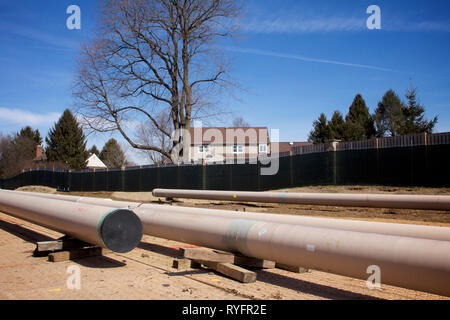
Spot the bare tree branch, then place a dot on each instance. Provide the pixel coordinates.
(152, 57)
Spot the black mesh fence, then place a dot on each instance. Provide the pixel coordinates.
(402, 166)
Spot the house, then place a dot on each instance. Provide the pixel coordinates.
(231, 144)
(40, 155)
(285, 148)
(93, 162)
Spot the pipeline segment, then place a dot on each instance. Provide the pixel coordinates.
(396, 229)
(422, 202)
(119, 230)
(419, 264)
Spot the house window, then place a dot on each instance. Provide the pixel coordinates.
(238, 149)
(263, 148)
(203, 149)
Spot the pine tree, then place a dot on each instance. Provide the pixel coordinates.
(34, 135)
(112, 154)
(337, 126)
(66, 142)
(26, 141)
(94, 150)
(359, 124)
(321, 131)
(413, 114)
(389, 116)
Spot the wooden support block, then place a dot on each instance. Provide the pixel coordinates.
(181, 264)
(224, 257)
(291, 268)
(236, 272)
(232, 271)
(254, 262)
(206, 255)
(196, 264)
(48, 245)
(74, 254)
(64, 243)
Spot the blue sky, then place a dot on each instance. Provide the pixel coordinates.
(295, 59)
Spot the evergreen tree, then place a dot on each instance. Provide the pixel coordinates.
(94, 150)
(359, 124)
(389, 116)
(34, 135)
(321, 131)
(413, 114)
(26, 141)
(112, 154)
(337, 126)
(66, 142)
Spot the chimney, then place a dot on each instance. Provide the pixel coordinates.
(39, 151)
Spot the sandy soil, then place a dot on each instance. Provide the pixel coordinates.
(146, 272)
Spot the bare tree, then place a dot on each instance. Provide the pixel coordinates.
(149, 134)
(153, 56)
(15, 154)
(239, 122)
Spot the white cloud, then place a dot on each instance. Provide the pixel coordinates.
(46, 39)
(306, 59)
(303, 25)
(306, 21)
(23, 117)
(423, 26)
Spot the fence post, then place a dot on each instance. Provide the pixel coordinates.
(291, 169)
(204, 182)
(94, 175)
(140, 179)
(178, 176)
(334, 148)
(122, 178)
(69, 179)
(158, 169)
(231, 177)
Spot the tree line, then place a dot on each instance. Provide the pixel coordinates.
(65, 147)
(392, 117)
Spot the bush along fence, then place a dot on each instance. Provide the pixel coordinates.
(415, 160)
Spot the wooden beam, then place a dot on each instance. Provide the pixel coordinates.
(232, 271)
(206, 254)
(224, 257)
(291, 268)
(43, 248)
(253, 262)
(181, 264)
(74, 254)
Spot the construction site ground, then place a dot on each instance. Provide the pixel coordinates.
(147, 273)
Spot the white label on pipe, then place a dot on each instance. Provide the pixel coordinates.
(310, 247)
(260, 233)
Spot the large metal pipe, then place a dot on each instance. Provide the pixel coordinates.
(424, 202)
(119, 230)
(418, 264)
(396, 229)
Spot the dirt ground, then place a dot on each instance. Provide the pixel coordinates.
(147, 273)
(424, 217)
